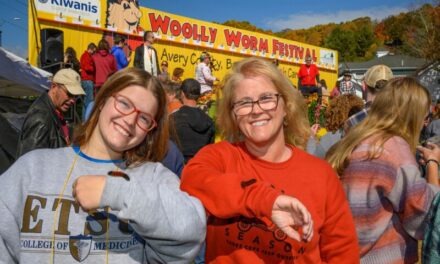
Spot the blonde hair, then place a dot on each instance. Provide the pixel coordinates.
(398, 110)
(296, 123)
(155, 144)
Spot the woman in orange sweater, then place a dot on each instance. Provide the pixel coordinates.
(251, 185)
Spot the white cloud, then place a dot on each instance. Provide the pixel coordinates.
(306, 20)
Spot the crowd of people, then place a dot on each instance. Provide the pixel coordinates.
(141, 179)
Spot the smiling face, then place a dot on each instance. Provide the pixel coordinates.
(116, 132)
(124, 15)
(260, 128)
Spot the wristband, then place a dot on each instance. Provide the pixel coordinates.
(433, 160)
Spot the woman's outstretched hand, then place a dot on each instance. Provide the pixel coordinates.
(289, 214)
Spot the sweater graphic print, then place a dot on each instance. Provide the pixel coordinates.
(86, 238)
(260, 236)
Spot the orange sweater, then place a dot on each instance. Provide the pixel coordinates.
(239, 208)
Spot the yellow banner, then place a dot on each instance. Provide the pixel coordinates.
(179, 40)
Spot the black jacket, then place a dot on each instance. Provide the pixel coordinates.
(194, 130)
(41, 127)
(139, 58)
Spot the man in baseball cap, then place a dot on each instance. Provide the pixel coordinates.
(71, 80)
(374, 79)
(44, 125)
(377, 76)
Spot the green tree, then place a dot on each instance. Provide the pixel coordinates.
(364, 38)
(343, 41)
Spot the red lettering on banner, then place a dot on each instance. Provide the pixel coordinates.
(158, 22)
(232, 38)
(195, 35)
(213, 33)
(274, 46)
(186, 30)
(291, 50)
(205, 38)
(253, 44)
(236, 38)
(299, 52)
(281, 47)
(247, 42)
(177, 29)
(264, 46)
(286, 50)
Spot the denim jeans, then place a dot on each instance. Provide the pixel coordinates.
(200, 259)
(307, 90)
(88, 98)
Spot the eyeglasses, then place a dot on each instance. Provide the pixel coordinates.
(266, 102)
(125, 107)
(64, 88)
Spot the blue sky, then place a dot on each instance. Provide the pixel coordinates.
(275, 14)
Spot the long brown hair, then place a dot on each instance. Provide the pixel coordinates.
(398, 110)
(296, 123)
(155, 145)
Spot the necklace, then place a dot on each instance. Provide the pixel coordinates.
(60, 196)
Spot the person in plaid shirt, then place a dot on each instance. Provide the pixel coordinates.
(347, 86)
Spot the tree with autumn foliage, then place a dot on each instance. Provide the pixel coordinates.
(422, 37)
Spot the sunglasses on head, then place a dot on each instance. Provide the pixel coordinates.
(64, 88)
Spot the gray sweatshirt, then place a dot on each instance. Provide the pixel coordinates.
(150, 221)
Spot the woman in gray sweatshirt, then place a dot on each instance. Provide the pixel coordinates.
(107, 200)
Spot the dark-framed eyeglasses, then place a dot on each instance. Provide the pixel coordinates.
(125, 107)
(266, 102)
(66, 91)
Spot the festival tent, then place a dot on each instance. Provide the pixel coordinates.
(19, 78)
(19, 81)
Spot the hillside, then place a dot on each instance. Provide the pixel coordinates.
(415, 33)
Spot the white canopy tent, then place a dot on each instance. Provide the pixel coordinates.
(19, 78)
